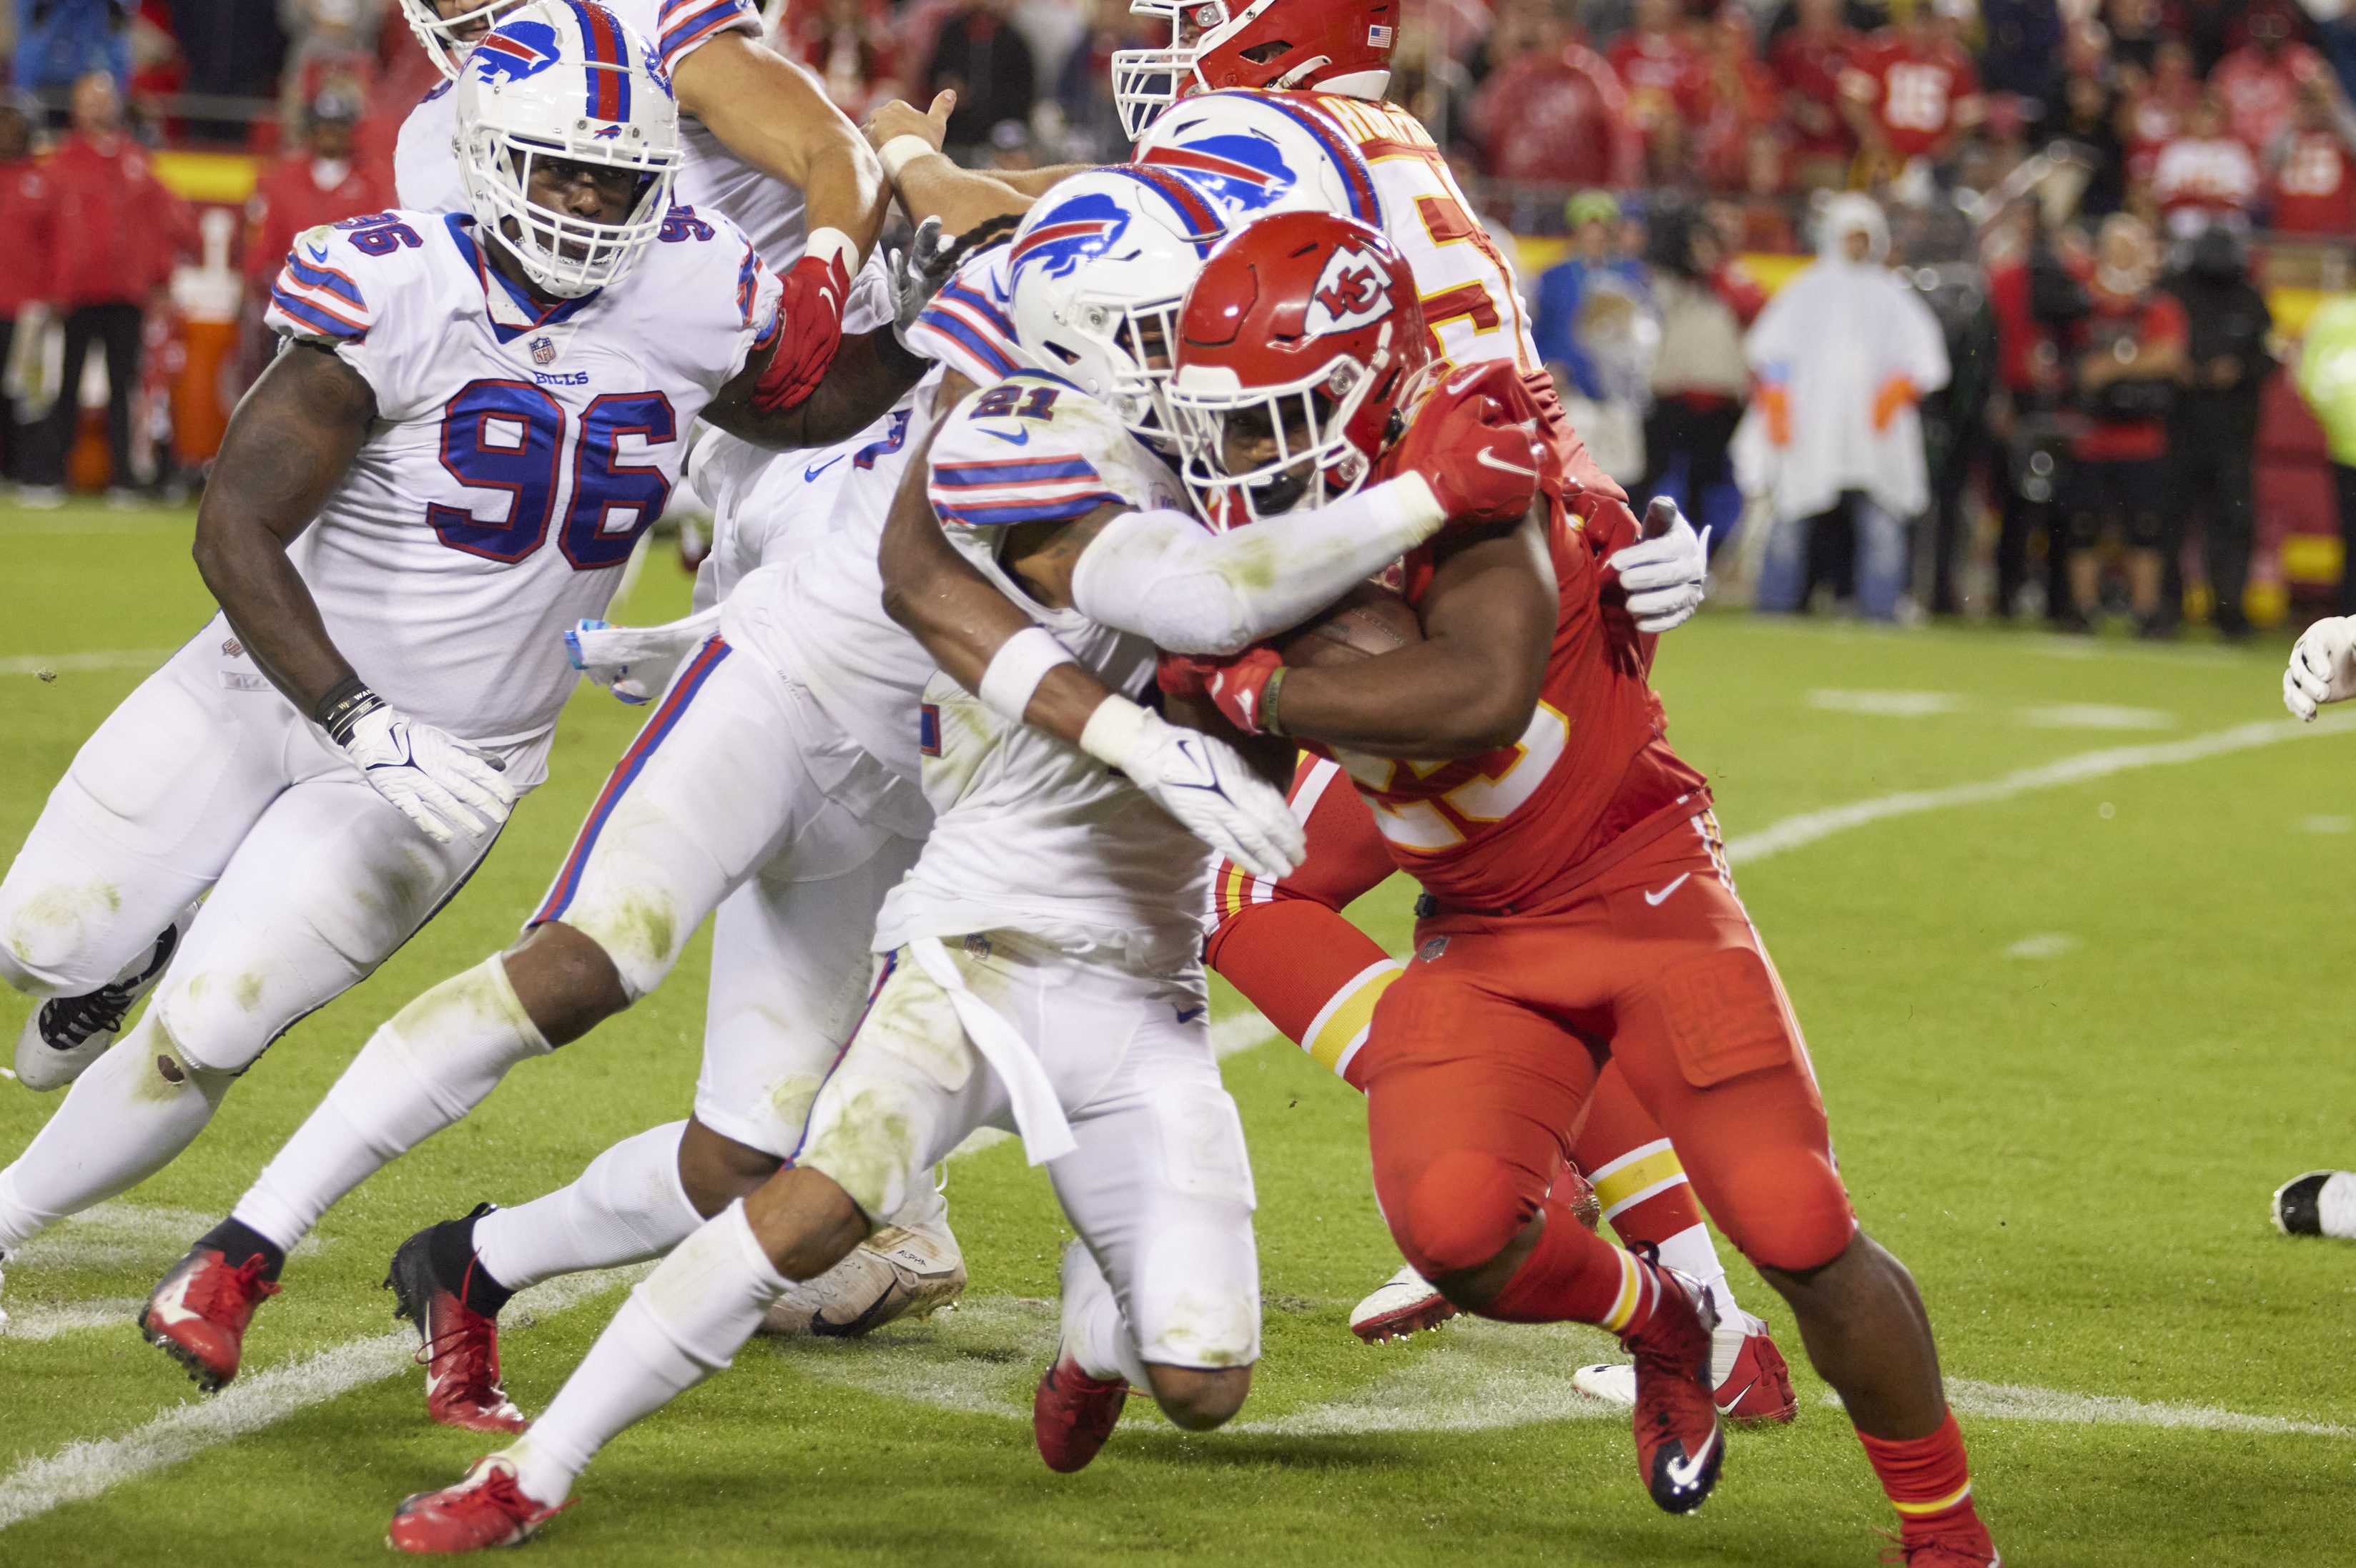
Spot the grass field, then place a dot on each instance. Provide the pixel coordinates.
(2072, 1029)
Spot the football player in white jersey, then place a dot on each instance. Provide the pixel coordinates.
(1299, 104)
(1052, 910)
(761, 144)
(472, 421)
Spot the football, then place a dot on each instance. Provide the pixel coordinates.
(1368, 620)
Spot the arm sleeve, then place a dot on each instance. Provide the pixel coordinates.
(1162, 575)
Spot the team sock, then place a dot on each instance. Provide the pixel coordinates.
(1573, 1275)
(237, 1243)
(1100, 1342)
(123, 1120)
(683, 1321)
(438, 1059)
(1691, 1253)
(450, 1252)
(1311, 972)
(627, 1207)
(1929, 1481)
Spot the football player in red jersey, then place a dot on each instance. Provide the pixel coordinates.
(1577, 904)
(1912, 88)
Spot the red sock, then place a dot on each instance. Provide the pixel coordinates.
(1574, 1276)
(1313, 973)
(1929, 1482)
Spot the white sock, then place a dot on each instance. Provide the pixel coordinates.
(683, 1321)
(122, 1121)
(1690, 1251)
(437, 1059)
(1097, 1336)
(627, 1207)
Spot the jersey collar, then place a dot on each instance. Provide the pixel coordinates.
(511, 311)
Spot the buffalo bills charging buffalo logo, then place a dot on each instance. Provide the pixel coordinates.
(1349, 294)
(1080, 230)
(1243, 171)
(517, 52)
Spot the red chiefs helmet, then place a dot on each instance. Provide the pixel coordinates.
(1334, 45)
(1299, 344)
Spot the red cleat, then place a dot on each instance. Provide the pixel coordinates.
(486, 1509)
(1757, 1389)
(1073, 1414)
(1964, 1545)
(199, 1314)
(1680, 1447)
(459, 1347)
(1402, 1304)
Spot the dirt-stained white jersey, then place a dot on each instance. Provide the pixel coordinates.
(519, 453)
(1029, 832)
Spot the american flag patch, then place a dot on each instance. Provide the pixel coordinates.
(1379, 37)
(928, 729)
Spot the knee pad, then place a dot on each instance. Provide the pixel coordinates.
(1788, 1211)
(215, 1019)
(1461, 1211)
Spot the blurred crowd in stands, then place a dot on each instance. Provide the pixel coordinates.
(2068, 371)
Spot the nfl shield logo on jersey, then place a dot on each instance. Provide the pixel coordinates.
(543, 350)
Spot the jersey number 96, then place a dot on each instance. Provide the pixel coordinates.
(511, 437)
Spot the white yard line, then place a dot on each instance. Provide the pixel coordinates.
(85, 1470)
(1808, 827)
(70, 663)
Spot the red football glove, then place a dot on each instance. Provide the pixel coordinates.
(809, 322)
(1474, 442)
(1235, 683)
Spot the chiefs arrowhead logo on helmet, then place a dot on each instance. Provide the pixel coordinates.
(1349, 294)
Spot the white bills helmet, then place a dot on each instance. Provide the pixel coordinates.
(563, 80)
(447, 38)
(1095, 274)
(1254, 155)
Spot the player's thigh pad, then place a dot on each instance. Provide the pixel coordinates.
(1159, 1188)
(144, 819)
(324, 888)
(712, 788)
(790, 971)
(907, 1089)
(1472, 1099)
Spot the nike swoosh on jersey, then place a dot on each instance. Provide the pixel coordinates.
(1657, 899)
(816, 469)
(1188, 1015)
(1020, 438)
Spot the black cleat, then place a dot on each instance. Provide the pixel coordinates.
(2320, 1203)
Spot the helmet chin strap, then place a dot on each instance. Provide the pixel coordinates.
(1293, 79)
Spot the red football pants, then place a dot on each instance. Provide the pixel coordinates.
(1286, 947)
(1483, 1055)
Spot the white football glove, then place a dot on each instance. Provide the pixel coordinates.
(636, 662)
(439, 781)
(2322, 667)
(1665, 578)
(1202, 782)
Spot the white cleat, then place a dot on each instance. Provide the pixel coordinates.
(1753, 1386)
(1400, 1304)
(2320, 1203)
(899, 1272)
(66, 1034)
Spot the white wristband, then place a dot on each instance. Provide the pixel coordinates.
(899, 152)
(832, 244)
(1015, 670)
(1113, 731)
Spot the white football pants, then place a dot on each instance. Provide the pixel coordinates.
(1159, 1185)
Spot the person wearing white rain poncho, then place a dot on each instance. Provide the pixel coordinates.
(1843, 354)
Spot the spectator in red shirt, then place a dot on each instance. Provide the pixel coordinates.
(848, 43)
(2156, 108)
(320, 184)
(1556, 117)
(1661, 73)
(2259, 81)
(1735, 96)
(1913, 88)
(26, 195)
(116, 236)
(2313, 173)
(1809, 60)
(2130, 365)
(2205, 175)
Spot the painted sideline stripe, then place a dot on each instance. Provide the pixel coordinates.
(109, 659)
(1808, 827)
(85, 1470)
